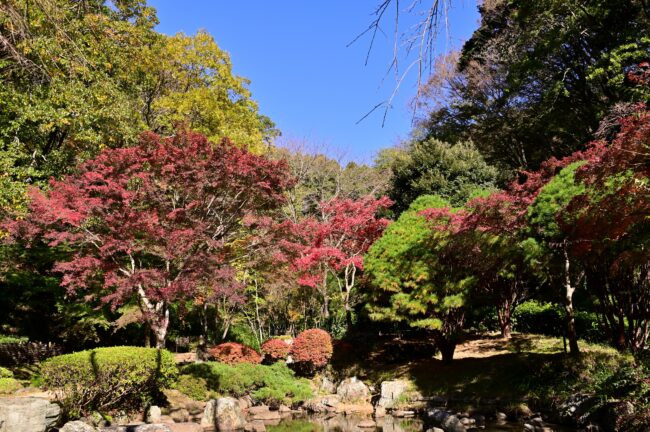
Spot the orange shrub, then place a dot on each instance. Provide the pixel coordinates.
(312, 349)
(275, 350)
(233, 353)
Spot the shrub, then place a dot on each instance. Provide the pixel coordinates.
(548, 319)
(5, 339)
(107, 379)
(275, 350)
(6, 373)
(20, 353)
(311, 350)
(9, 385)
(272, 385)
(233, 353)
(194, 387)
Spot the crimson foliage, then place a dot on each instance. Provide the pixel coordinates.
(312, 349)
(275, 350)
(233, 353)
(155, 222)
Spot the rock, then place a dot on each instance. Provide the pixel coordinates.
(467, 422)
(284, 409)
(27, 414)
(435, 429)
(185, 427)
(447, 421)
(77, 426)
(224, 414)
(380, 411)
(258, 409)
(501, 416)
(391, 391)
(352, 390)
(245, 402)
(327, 385)
(157, 427)
(255, 426)
(364, 408)
(180, 415)
(267, 415)
(529, 427)
(153, 414)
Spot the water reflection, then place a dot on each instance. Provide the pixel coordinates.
(340, 423)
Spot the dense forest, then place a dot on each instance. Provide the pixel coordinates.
(145, 200)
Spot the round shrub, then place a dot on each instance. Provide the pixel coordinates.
(9, 385)
(6, 373)
(311, 350)
(233, 353)
(275, 350)
(194, 387)
(108, 379)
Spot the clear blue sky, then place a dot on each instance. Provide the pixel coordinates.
(302, 74)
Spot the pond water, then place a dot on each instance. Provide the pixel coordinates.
(339, 423)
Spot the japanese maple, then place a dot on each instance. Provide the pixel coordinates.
(155, 222)
(334, 244)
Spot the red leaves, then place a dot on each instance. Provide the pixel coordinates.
(312, 348)
(158, 216)
(275, 350)
(338, 239)
(233, 353)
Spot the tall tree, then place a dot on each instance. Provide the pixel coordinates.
(155, 222)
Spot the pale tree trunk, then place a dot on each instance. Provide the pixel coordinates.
(157, 316)
(569, 289)
(326, 300)
(350, 274)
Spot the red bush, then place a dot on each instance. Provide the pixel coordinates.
(312, 348)
(275, 350)
(233, 353)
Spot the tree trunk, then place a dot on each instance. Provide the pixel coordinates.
(569, 289)
(446, 347)
(504, 313)
(156, 315)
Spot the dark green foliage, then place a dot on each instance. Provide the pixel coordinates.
(269, 384)
(107, 379)
(456, 172)
(194, 387)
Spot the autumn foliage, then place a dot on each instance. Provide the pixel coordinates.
(233, 353)
(156, 222)
(312, 349)
(275, 350)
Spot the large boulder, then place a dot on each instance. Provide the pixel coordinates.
(154, 414)
(28, 415)
(352, 390)
(446, 420)
(391, 391)
(77, 426)
(224, 414)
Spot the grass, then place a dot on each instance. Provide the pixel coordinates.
(528, 368)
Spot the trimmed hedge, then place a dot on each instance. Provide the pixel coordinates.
(272, 385)
(9, 385)
(233, 353)
(107, 379)
(275, 350)
(311, 350)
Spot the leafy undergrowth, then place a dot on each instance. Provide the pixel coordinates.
(528, 368)
(272, 385)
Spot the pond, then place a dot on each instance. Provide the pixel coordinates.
(339, 423)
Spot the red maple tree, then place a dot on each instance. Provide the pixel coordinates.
(155, 222)
(334, 243)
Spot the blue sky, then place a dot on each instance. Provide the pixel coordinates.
(302, 74)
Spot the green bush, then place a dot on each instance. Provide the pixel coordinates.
(6, 373)
(548, 319)
(272, 384)
(4, 339)
(107, 379)
(9, 385)
(194, 387)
